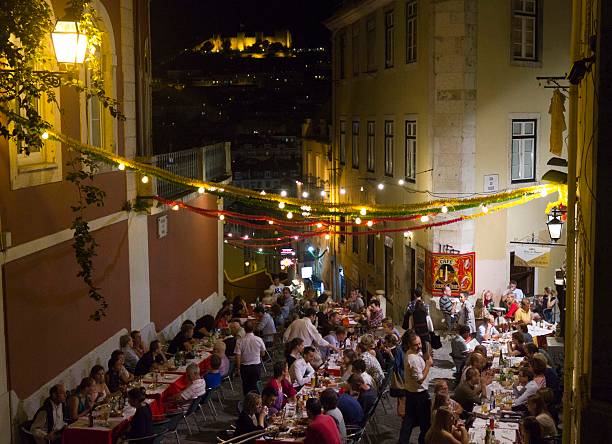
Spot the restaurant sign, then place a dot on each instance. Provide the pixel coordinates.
(456, 270)
(531, 256)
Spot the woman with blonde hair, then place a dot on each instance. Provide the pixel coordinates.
(444, 430)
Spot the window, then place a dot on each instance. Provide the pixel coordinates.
(410, 151)
(371, 147)
(355, 240)
(343, 142)
(341, 55)
(389, 147)
(389, 39)
(355, 49)
(355, 144)
(411, 31)
(370, 249)
(524, 33)
(371, 44)
(524, 133)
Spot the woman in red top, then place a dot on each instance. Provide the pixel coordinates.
(512, 307)
(281, 383)
(322, 428)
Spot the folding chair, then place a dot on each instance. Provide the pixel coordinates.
(153, 439)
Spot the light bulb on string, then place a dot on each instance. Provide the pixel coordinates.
(305, 194)
(175, 207)
(358, 220)
(201, 190)
(246, 237)
(283, 193)
(230, 235)
(327, 236)
(444, 209)
(281, 205)
(121, 166)
(260, 249)
(323, 193)
(401, 182)
(407, 234)
(221, 217)
(262, 192)
(271, 222)
(296, 237)
(425, 218)
(319, 225)
(289, 215)
(45, 135)
(145, 179)
(361, 189)
(225, 241)
(342, 191)
(363, 211)
(369, 223)
(380, 186)
(485, 209)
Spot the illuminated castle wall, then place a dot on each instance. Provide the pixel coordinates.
(241, 41)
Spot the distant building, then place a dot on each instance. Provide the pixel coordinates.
(243, 42)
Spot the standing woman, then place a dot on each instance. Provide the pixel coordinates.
(421, 322)
(141, 424)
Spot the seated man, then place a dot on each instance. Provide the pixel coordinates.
(471, 391)
(265, 326)
(196, 386)
(487, 331)
(322, 428)
(183, 340)
(359, 369)
(268, 399)
(352, 412)
(459, 349)
(329, 402)
(366, 394)
(301, 371)
(213, 377)
(374, 314)
(336, 338)
(527, 388)
(48, 422)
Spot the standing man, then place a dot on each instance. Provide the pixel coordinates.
(277, 286)
(469, 318)
(418, 403)
(517, 292)
(447, 307)
(249, 351)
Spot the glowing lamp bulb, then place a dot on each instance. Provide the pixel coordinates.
(283, 193)
(401, 182)
(363, 211)
(121, 166)
(45, 135)
(175, 207)
(319, 225)
(342, 191)
(221, 217)
(444, 209)
(305, 194)
(369, 223)
(310, 248)
(271, 222)
(358, 220)
(327, 236)
(289, 215)
(407, 234)
(230, 235)
(145, 179)
(323, 193)
(260, 249)
(281, 205)
(262, 192)
(201, 190)
(247, 263)
(485, 209)
(246, 237)
(425, 218)
(380, 186)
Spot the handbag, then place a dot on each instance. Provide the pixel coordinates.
(436, 343)
(396, 389)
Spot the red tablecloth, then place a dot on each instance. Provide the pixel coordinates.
(94, 435)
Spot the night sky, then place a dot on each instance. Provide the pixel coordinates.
(179, 24)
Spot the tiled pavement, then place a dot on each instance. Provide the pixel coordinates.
(388, 422)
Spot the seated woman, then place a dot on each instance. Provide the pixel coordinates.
(282, 384)
(517, 346)
(114, 380)
(80, 402)
(239, 308)
(151, 360)
(252, 417)
(101, 390)
(294, 350)
(346, 369)
(141, 424)
(441, 388)
(444, 430)
(204, 327)
(219, 348)
(373, 367)
(537, 408)
(222, 322)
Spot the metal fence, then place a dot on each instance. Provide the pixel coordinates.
(210, 163)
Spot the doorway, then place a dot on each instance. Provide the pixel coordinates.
(524, 277)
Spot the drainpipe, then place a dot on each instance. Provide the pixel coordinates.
(569, 364)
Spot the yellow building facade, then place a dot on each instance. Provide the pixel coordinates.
(440, 99)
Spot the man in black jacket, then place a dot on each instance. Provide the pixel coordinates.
(48, 422)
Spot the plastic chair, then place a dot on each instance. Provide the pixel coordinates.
(172, 425)
(26, 436)
(230, 375)
(354, 434)
(191, 410)
(205, 399)
(153, 439)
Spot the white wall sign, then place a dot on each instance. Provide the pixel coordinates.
(491, 183)
(162, 226)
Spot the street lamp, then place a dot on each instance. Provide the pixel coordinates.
(554, 224)
(69, 41)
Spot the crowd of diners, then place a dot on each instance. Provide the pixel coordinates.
(312, 330)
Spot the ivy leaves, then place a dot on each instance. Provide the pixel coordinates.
(83, 169)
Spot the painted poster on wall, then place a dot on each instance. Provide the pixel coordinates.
(456, 270)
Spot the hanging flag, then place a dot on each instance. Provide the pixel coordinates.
(557, 122)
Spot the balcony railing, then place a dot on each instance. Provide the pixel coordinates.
(210, 163)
